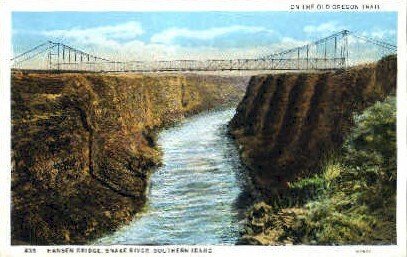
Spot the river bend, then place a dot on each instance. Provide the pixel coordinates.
(192, 196)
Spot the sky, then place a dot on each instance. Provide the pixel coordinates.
(191, 35)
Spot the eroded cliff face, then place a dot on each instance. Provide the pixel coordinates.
(288, 123)
(82, 146)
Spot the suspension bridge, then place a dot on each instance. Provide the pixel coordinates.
(337, 51)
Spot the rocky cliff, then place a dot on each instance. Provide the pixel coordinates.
(82, 146)
(288, 123)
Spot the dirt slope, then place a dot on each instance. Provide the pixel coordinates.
(287, 123)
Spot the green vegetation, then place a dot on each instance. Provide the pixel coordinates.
(352, 200)
(358, 200)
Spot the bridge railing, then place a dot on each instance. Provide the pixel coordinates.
(208, 65)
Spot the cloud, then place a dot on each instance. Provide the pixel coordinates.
(121, 42)
(170, 35)
(107, 36)
(380, 34)
(324, 28)
(289, 42)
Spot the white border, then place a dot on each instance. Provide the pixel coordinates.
(5, 128)
(401, 128)
(182, 5)
(200, 5)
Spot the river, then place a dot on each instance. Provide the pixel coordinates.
(192, 197)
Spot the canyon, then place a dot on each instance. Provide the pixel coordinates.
(84, 144)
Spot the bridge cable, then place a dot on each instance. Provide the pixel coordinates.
(31, 57)
(383, 44)
(31, 50)
(342, 32)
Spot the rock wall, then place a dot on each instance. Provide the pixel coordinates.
(82, 146)
(288, 123)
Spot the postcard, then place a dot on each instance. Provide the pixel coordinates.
(203, 128)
